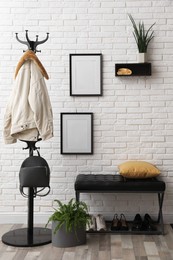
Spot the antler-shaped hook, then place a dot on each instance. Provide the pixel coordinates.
(32, 45)
(23, 42)
(40, 42)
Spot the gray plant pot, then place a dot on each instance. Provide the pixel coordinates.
(67, 239)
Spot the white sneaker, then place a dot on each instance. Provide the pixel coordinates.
(100, 222)
(92, 225)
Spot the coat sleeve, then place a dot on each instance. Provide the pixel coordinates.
(8, 139)
(40, 104)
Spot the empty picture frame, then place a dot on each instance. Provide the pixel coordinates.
(76, 133)
(85, 74)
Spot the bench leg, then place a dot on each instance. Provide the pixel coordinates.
(160, 215)
(77, 196)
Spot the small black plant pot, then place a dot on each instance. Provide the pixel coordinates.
(62, 238)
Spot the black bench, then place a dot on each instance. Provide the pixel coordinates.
(109, 183)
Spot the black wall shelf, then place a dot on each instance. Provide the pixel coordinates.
(132, 69)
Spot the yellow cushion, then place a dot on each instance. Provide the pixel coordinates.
(138, 170)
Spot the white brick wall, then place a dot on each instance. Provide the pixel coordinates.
(132, 120)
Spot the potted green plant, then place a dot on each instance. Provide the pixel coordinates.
(142, 37)
(69, 223)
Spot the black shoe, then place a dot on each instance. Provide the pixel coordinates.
(148, 218)
(148, 223)
(137, 223)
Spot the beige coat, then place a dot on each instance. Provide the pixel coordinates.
(28, 114)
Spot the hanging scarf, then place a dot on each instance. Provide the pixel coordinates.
(30, 55)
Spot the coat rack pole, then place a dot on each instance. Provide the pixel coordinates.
(30, 236)
(30, 204)
(30, 214)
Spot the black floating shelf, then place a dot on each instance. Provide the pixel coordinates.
(132, 69)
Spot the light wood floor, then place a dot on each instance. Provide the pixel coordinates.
(98, 247)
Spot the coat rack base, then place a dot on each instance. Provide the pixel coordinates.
(24, 238)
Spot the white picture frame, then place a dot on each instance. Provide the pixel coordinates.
(76, 133)
(86, 74)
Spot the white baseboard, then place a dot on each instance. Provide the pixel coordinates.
(17, 218)
(39, 218)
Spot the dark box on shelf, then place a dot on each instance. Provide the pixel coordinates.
(132, 69)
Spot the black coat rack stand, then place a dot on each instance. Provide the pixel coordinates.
(30, 236)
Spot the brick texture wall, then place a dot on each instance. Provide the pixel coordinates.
(133, 120)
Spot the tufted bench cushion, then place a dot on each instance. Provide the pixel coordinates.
(116, 183)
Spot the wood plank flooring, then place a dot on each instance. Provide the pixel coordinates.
(98, 247)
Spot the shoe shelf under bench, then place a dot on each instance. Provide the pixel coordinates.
(108, 230)
(109, 183)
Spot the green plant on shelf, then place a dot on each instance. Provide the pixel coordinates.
(142, 36)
